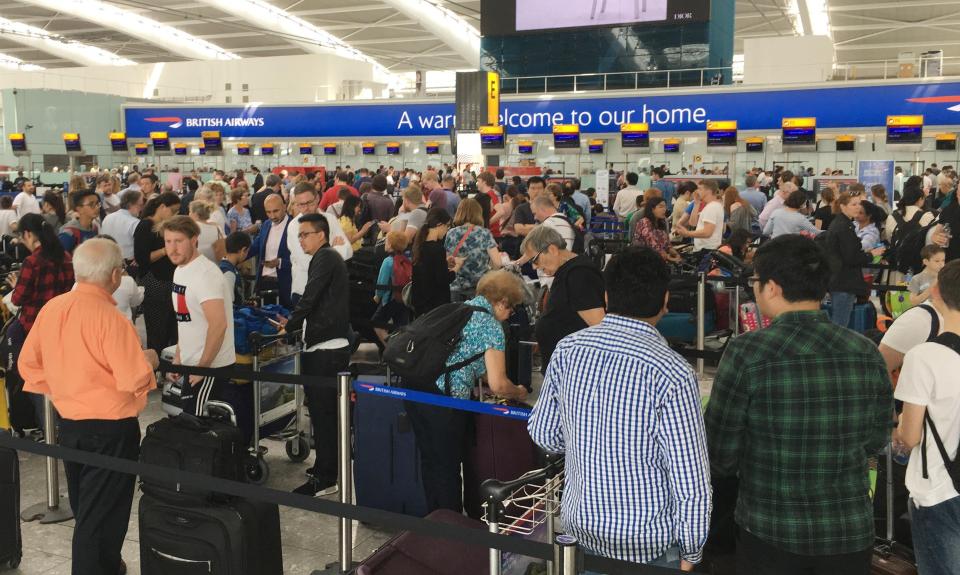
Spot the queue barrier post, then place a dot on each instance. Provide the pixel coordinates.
(344, 563)
(701, 321)
(569, 553)
(49, 511)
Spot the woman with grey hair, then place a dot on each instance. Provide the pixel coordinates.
(576, 299)
(211, 241)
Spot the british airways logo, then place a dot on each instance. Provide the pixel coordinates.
(939, 100)
(171, 121)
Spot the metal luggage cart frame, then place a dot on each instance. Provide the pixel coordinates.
(296, 433)
(520, 506)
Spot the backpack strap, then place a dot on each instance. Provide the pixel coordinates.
(456, 250)
(951, 341)
(934, 321)
(464, 363)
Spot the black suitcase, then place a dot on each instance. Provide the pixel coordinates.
(237, 538)
(386, 461)
(11, 544)
(196, 444)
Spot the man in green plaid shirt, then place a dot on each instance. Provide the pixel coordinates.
(796, 412)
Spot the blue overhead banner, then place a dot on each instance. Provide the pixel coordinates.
(841, 107)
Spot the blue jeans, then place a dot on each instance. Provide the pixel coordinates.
(841, 307)
(670, 558)
(936, 537)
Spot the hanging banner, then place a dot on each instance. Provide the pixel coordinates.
(872, 172)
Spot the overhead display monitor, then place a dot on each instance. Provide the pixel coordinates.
(202, 150)
(180, 149)
(501, 17)
(141, 149)
(846, 143)
(946, 142)
(492, 138)
(635, 136)
(368, 148)
(266, 149)
(595, 146)
(722, 134)
(161, 141)
(307, 149)
(799, 132)
(525, 147)
(329, 149)
(904, 129)
(212, 141)
(393, 148)
(433, 148)
(566, 137)
(671, 146)
(243, 149)
(755, 144)
(18, 142)
(71, 141)
(118, 142)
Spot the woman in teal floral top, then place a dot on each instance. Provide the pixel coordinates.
(441, 432)
(473, 242)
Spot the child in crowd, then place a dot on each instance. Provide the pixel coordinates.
(237, 246)
(934, 258)
(395, 272)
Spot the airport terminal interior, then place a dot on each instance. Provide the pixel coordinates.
(518, 287)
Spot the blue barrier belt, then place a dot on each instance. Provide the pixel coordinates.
(437, 400)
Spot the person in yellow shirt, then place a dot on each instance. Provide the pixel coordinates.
(85, 356)
(348, 218)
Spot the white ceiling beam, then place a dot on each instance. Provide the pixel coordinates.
(880, 26)
(56, 45)
(928, 23)
(146, 29)
(446, 25)
(932, 43)
(891, 5)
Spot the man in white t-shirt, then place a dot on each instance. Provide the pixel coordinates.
(307, 201)
(545, 211)
(26, 201)
(8, 216)
(709, 232)
(931, 403)
(202, 303)
(917, 325)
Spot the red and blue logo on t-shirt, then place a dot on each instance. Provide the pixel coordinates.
(180, 302)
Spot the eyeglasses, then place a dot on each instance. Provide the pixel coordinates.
(302, 235)
(535, 259)
(306, 204)
(91, 205)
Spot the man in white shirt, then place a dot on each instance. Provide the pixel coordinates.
(930, 428)
(626, 202)
(121, 224)
(546, 213)
(8, 216)
(202, 304)
(306, 200)
(26, 202)
(273, 255)
(709, 232)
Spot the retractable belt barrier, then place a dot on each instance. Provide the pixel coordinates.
(345, 511)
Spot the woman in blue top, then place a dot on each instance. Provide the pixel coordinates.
(441, 432)
(473, 242)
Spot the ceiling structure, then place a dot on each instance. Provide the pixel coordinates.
(406, 35)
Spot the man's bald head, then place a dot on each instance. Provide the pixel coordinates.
(275, 208)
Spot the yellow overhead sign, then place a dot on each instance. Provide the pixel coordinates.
(904, 120)
(799, 122)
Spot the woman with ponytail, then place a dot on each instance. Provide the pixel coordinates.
(156, 271)
(46, 273)
(433, 271)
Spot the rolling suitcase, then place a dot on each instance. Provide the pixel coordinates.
(409, 553)
(236, 538)
(682, 327)
(386, 461)
(11, 543)
(501, 449)
(890, 557)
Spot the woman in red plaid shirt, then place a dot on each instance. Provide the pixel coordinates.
(46, 273)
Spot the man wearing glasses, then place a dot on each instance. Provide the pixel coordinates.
(306, 201)
(323, 313)
(86, 204)
(796, 412)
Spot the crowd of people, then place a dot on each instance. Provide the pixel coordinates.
(624, 408)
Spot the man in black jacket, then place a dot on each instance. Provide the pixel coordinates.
(323, 313)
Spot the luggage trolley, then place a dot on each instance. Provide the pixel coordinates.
(527, 506)
(277, 407)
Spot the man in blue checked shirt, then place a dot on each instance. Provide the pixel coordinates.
(625, 410)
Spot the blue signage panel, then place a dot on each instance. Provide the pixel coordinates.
(840, 107)
(872, 172)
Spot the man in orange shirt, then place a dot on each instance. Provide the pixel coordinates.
(86, 356)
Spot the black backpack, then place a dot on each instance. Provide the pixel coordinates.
(418, 353)
(952, 341)
(579, 240)
(907, 241)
